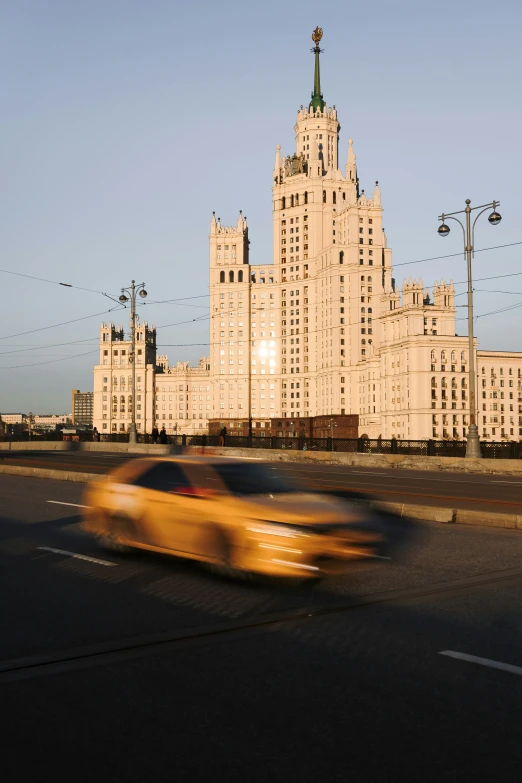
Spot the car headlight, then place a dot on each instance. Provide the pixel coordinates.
(276, 529)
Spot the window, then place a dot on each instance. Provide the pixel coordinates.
(231, 276)
(240, 276)
(221, 277)
(164, 477)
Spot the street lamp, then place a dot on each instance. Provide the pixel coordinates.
(473, 441)
(133, 290)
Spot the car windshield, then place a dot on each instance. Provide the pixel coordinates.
(241, 479)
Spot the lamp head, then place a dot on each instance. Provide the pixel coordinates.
(143, 293)
(495, 218)
(443, 230)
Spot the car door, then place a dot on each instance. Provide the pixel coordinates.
(169, 513)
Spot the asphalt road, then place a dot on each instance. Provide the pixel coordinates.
(132, 668)
(494, 493)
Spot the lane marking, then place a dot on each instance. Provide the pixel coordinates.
(505, 667)
(76, 555)
(506, 482)
(62, 503)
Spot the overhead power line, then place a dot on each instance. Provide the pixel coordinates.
(453, 255)
(50, 361)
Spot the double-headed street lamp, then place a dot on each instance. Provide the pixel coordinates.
(133, 290)
(473, 441)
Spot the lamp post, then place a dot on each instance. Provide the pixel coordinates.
(133, 290)
(473, 441)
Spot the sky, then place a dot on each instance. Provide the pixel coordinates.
(125, 123)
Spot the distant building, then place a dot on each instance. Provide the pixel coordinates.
(320, 330)
(177, 397)
(82, 408)
(113, 380)
(50, 421)
(183, 399)
(13, 418)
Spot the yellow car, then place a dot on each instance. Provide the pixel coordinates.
(240, 517)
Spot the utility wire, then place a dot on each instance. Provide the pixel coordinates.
(53, 326)
(453, 255)
(50, 361)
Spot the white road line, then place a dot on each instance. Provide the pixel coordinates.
(77, 556)
(62, 503)
(506, 482)
(505, 667)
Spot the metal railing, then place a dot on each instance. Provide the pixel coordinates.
(423, 448)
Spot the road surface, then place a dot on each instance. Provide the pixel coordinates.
(138, 667)
(494, 493)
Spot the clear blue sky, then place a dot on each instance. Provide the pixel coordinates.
(125, 123)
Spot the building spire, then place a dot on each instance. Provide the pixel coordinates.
(317, 96)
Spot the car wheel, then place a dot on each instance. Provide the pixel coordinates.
(112, 544)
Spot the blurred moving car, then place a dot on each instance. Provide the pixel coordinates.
(239, 517)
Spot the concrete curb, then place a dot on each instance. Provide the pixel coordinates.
(440, 514)
(50, 473)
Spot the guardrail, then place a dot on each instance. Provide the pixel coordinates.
(423, 448)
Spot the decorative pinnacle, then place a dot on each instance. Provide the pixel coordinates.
(316, 36)
(317, 96)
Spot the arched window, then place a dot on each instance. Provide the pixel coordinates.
(324, 196)
(453, 357)
(363, 342)
(231, 276)
(334, 198)
(240, 276)
(283, 203)
(463, 357)
(292, 200)
(341, 257)
(362, 277)
(221, 277)
(122, 399)
(463, 383)
(369, 278)
(297, 199)
(433, 383)
(306, 197)
(370, 310)
(433, 356)
(344, 196)
(443, 356)
(444, 383)
(363, 310)
(453, 383)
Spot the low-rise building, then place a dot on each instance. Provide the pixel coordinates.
(13, 418)
(50, 420)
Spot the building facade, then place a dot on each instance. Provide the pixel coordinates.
(82, 407)
(51, 420)
(178, 397)
(321, 330)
